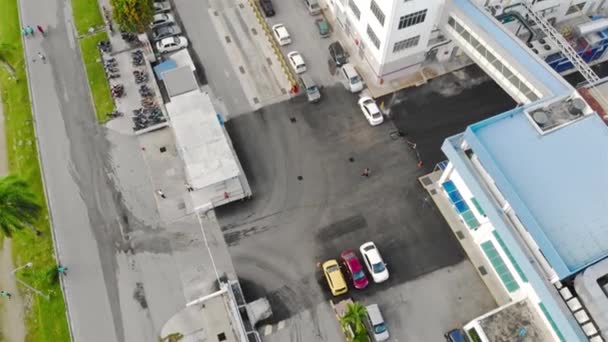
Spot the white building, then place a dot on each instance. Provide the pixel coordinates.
(399, 37)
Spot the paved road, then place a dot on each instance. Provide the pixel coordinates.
(277, 237)
(129, 270)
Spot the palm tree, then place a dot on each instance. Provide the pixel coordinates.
(19, 207)
(354, 316)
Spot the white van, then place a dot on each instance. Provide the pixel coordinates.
(313, 6)
(350, 78)
(376, 323)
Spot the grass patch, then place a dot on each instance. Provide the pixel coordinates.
(86, 15)
(45, 320)
(96, 76)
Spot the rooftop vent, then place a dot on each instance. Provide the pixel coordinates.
(558, 114)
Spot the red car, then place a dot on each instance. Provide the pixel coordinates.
(354, 270)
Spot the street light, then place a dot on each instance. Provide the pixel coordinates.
(36, 291)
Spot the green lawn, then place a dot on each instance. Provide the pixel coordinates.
(102, 98)
(86, 15)
(45, 320)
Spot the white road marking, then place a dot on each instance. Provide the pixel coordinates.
(281, 325)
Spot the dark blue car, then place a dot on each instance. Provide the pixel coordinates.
(456, 335)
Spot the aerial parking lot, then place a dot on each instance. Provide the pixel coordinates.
(305, 38)
(311, 203)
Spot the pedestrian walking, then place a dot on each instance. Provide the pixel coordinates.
(366, 172)
(42, 57)
(40, 29)
(62, 270)
(6, 294)
(161, 193)
(30, 30)
(189, 187)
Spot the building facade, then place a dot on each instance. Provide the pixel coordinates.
(397, 38)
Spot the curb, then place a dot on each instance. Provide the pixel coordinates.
(277, 51)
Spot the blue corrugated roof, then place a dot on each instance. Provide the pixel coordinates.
(557, 183)
(517, 54)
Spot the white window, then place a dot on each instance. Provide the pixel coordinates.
(377, 12)
(575, 8)
(406, 43)
(412, 19)
(373, 37)
(354, 8)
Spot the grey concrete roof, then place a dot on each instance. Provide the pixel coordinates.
(518, 321)
(592, 295)
(209, 319)
(179, 81)
(201, 140)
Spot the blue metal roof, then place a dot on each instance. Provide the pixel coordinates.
(515, 52)
(557, 183)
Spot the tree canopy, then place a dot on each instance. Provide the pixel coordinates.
(354, 316)
(132, 15)
(19, 207)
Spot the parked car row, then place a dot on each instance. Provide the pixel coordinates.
(312, 5)
(166, 33)
(354, 270)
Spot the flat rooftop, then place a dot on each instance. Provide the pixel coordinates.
(201, 140)
(209, 320)
(515, 322)
(556, 182)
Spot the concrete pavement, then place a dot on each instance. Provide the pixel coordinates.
(130, 270)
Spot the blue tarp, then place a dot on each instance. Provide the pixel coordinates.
(164, 66)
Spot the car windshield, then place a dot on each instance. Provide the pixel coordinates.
(379, 328)
(312, 89)
(378, 267)
(332, 269)
(354, 79)
(359, 275)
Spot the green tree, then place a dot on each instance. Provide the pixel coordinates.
(19, 208)
(132, 15)
(353, 318)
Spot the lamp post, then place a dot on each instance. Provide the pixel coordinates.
(38, 292)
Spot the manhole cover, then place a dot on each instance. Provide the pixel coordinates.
(215, 13)
(300, 178)
(163, 149)
(482, 270)
(351, 159)
(269, 61)
(181, 205)
(242, 70)
(228, 40)
(241, 6)
(256, 100)
(292, 119)
(254, 31)
(433, 192)
(459, 234)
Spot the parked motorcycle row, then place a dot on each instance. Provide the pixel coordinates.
(146, 117)
(150, 112)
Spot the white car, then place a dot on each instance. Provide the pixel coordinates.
(171, 44)
(373, 261)
(281, 34)
(161, 6)
(162, 19)
(297, 62)
(371, 111)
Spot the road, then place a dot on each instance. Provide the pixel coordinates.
(129, 270)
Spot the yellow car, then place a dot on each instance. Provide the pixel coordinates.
(334, 277)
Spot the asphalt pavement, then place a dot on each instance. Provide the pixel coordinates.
(304, 163)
